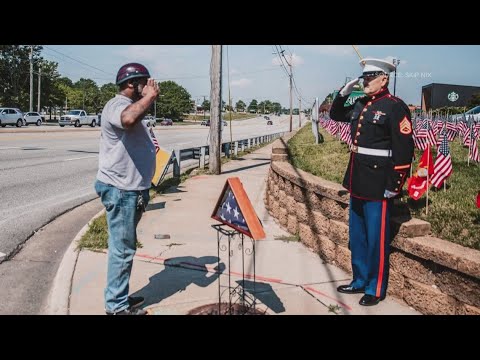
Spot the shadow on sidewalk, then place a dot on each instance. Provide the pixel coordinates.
(245, 167)
(156, 206)
(265, 293)
(179, 273)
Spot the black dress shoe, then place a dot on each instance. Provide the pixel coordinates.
(349, 289)
(369, 300)
(135, 301)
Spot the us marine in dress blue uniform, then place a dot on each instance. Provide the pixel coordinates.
(380, 159)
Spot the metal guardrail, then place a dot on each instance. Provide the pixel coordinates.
(187, 158)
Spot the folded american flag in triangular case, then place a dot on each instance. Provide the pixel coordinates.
(234, 209)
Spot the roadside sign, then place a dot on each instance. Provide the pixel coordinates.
(163, 160)
(351, 99)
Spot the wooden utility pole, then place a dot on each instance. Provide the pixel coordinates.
(39, 88)
(215, 147)
(31, 79)
(299, 113)
(291, 100)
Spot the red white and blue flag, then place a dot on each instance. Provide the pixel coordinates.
(154, 140)
(442, 168)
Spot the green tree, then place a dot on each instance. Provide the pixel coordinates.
(174, 102)
(107, 91)
(240, 105)
(252, 107)
(276, 107)
(51, 96)
(90, 95)
(15, 74)
(227, 107)
(261, 107)
(268, 106)
(206, 105)
(474, 101)
(65, 93)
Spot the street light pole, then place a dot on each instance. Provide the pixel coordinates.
(396, 62)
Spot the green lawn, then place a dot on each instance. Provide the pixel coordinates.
(452, 213)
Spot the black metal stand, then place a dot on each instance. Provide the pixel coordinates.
(239, 301)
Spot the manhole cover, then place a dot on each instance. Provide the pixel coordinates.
(213, 309)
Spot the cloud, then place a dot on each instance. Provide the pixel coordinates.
(335, 50)
(241, 83)
(294, 59)
(276, 61)
(153, 52)
(341, 50)
(376, 46)
(161, 60)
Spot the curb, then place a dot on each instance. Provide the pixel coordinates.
(59, 297)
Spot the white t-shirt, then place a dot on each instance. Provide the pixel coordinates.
(127, 156)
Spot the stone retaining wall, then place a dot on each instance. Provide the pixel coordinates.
(432, 275)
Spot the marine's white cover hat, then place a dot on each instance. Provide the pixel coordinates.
(373, 66)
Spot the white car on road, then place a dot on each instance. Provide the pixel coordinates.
(32, 118)
(11, 116)
(150, 121)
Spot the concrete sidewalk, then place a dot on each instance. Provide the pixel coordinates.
(178, 273)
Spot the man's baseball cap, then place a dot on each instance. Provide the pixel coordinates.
(375, 67)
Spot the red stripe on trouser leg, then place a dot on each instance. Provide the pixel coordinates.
(381, 263)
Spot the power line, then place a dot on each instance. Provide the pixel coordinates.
(80, 62)
(294, 82)
(280, 54)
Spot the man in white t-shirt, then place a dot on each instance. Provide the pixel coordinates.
(126, 167)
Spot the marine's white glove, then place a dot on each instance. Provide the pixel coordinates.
(388, 194)
(348, 88)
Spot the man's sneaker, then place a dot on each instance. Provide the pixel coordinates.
(135, 301)
(129, 311)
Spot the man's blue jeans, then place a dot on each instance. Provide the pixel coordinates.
(123, 215)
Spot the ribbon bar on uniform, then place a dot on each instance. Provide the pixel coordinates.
(374, 152)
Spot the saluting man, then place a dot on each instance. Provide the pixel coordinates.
(380, 159)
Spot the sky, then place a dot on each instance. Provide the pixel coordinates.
(254, 71)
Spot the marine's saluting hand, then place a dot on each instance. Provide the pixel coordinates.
(348, 88)
(151, 89)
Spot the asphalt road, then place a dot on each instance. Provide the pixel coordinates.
(47, 171)
(26, 280)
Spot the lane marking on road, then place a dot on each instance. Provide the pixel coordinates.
(11, 213)
(80, 158)
(10, 147)
(46, 135)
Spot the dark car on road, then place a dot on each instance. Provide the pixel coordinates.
(166, 122)
(223, 122)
